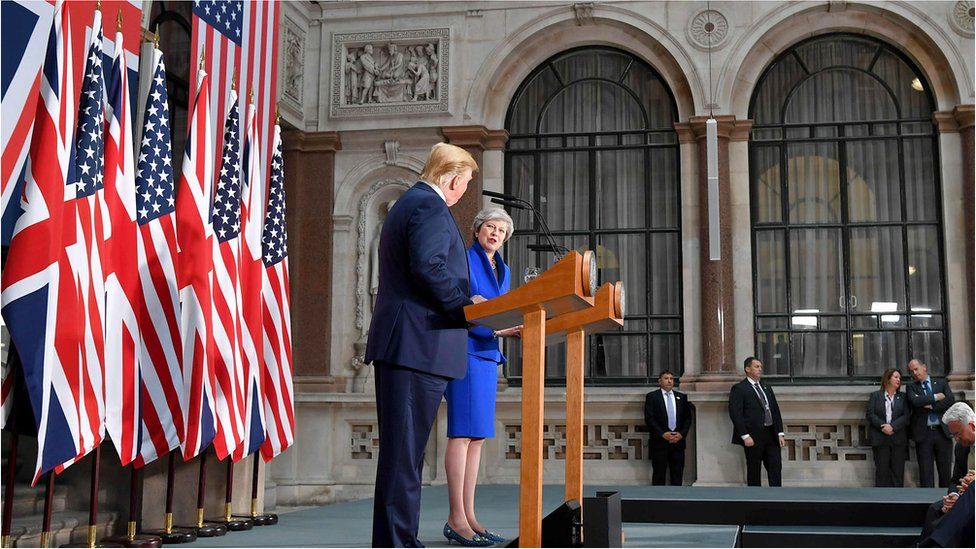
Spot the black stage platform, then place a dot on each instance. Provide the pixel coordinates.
(680, 516)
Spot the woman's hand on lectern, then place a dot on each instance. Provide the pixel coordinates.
(478, 299)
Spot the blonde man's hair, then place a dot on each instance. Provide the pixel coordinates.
(445, 159)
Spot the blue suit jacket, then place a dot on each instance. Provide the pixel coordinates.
(418, 321)
(484, 283)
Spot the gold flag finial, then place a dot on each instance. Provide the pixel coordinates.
(118, 21)
(233, 82)
(156, 38)
(277, 114)
(201, 60)
(98, 5)
(250, 96)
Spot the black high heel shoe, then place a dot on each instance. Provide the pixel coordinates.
(475, 541)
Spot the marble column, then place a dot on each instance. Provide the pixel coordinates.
(309, 182)
(476, 140)
(719, 364)
(959, 177)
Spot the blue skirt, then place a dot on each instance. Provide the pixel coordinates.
(471, 401)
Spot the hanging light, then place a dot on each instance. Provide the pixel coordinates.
(711, 162)
(917, 85)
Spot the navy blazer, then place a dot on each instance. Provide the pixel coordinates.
(418, 321)
(481, 343)
(919, 400)
(747, 413)
(900, 413)
(656, 418)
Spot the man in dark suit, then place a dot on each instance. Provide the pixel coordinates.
(418, 334)
(949, 521)
(930, 397)
(757, 425)
(667, 414)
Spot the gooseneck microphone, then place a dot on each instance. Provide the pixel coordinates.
(517, 203)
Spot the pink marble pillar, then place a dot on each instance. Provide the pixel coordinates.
(309, 159)
(719, 363)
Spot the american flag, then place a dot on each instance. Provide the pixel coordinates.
(40, 299)
(252, 275)
(278, 395)
(163, 403)
(194, 232)
(226, 219)
(240, 38)
(121, 272)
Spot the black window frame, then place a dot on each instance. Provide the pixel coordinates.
(652, 138)
(876, 131)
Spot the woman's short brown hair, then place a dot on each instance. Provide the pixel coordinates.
(886, 376)
(445, 159)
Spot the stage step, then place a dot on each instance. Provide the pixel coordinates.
(829, 536)
(66, 527)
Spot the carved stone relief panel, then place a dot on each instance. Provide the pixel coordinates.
(601, 441)
(827, 442)
(293, 53)
(364, 442)
(395, 72)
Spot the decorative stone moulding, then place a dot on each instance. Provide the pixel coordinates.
(961, 18)
(390, 73)
(293, 39)
(708, 28)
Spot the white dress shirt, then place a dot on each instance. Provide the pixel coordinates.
(756, 385)
(440, 193)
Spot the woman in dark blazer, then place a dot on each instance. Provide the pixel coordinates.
(471, 399)
(888, 415)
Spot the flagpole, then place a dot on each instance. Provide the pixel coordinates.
(48, 498)
(92, 540)
(267, 519)
(8, 491)
(234, 524)
(168, 533)
(205, 529)
(131, 538)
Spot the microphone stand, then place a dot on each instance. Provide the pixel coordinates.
(519, 204)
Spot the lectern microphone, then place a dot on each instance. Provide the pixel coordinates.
(517, 203)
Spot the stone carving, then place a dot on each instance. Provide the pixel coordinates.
(961, 18)
(601, 441)
(584, 13)
(365, 441)
(708, 29)
(391, 147)
(396, 72)
(827, 442)
(294, 61)
(373, 207)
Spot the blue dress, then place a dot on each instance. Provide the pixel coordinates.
(471, 399)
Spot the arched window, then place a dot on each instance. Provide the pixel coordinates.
(846, 213)
(592, 144)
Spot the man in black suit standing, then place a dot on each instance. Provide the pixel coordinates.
(930, 397)
(757, 425)
(668, 417)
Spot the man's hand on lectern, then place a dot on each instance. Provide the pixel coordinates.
(478, 299)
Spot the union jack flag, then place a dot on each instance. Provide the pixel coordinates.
(252, 276)
(121, 272)
(226, 219)
(278, 395)
(194, 232)
(40, 299)
(163, 402)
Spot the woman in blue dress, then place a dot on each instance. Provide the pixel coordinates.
(471, 399)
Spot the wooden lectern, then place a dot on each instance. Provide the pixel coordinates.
(562, 300)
